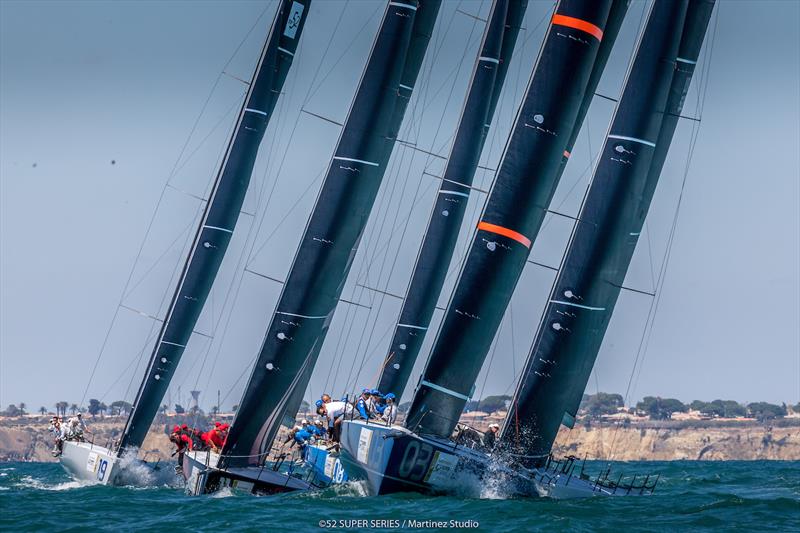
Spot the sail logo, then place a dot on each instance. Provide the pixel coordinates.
(293, 22)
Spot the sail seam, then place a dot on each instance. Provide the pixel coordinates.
(454, 192)
(251, 110)
(590, 308)
(444, 390)
(410, 326)
(399, 4)
(218, 228)
(634, 139)
(370, 163)
(299, 316)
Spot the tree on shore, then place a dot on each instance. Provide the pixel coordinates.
(179, 410)
(602, 403)
(73, 408)
(661, 408)
(61, 408)
(765, 411)
(11, 410)
(94, 407)
(121, 406)
(43, 410)
(720, 408)
(22, 407)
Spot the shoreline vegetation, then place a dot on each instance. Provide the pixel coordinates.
(655, 429)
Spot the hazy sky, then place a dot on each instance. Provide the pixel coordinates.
(83, 84)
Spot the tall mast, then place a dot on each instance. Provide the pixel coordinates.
(219, 218)
(517, 204)
(330, 241)
(604, 239)
(436, 251)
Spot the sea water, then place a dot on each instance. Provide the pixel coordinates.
(690, 496)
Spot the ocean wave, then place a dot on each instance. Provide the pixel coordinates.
(29, 482)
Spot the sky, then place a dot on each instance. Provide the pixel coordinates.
(114, 115)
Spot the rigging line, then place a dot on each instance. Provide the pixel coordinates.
(654, 305)
(183, 234)
(393, 264)
(251, 238)
(312, 91)
(166, 296)
(161, 198)
(650, 255)
(496, 343)
(350, 317)
(124, 372)
(306, 99)
(261, 188)
(236, 105)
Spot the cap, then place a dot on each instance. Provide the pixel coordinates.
(494, 426)
(176, 428)
(375, 392)
(304, 422)
(390, 396)
(184, 426)
(217, 424)
(318, 403)
(366, 391)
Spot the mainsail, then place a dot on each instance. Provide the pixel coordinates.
(219, 218)
(516, 207)
(604, 238)
(330, 241)
(441, 235)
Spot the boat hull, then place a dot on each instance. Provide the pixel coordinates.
(203, 477)
(88, 462)
(394, 459)
(326, 465)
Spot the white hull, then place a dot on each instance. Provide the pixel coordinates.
(88, 462)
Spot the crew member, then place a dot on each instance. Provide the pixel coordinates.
(182, 441)
(213, 438)
(389, 411)
(490, 437)
(335, 412)
(362, 405)
(58, 442)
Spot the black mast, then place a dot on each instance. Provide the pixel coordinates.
(220, 217)
(605, 236)
(516, 207)
(436, 252)
(329, 244)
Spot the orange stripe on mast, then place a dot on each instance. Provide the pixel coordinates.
(505, 232)
(578, 24)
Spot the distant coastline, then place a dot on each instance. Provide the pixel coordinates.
(26, 438)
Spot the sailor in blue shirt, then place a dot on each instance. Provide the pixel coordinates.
(318, 429)
(376, 403)
(362, 405)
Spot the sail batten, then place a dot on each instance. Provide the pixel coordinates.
(436, 251)
(564, 77)
(219, 217)
(603, 241)
(326, 251)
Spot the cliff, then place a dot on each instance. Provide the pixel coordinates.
(26, 439)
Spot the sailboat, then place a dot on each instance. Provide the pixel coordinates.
(88, 461)
(421, 456)
(323, 259)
